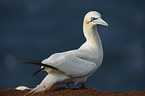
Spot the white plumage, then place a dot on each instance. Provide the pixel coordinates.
(76, 66)
(22, 88)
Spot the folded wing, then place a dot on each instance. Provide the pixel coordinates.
(70, 64)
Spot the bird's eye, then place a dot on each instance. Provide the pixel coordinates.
(93, 18)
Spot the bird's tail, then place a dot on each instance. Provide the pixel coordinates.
(38, 62)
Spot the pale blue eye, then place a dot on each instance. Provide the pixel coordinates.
(93, 18)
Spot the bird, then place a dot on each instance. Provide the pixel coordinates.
(74, 66)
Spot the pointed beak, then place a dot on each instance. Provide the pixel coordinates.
(101, 22)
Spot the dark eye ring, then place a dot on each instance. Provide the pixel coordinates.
(93, 18)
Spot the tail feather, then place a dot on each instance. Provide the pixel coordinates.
(38, 62)
(32, 62)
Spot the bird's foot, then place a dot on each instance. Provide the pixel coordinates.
(67, 85)
(83, 86)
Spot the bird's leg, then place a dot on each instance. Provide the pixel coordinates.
(67, 85)
(83, 86)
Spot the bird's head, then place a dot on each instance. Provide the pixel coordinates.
(94, 18)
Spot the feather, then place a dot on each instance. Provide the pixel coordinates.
(38, 62)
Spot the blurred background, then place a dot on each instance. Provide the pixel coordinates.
(35, 29)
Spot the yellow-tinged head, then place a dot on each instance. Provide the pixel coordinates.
(94, 18)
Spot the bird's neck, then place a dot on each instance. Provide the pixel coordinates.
(91, 33)
(92, 37)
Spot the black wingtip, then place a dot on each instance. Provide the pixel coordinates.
(36, 72)
(38, 62)
(32, 62)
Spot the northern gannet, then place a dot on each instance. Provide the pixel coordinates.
(75, 66)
